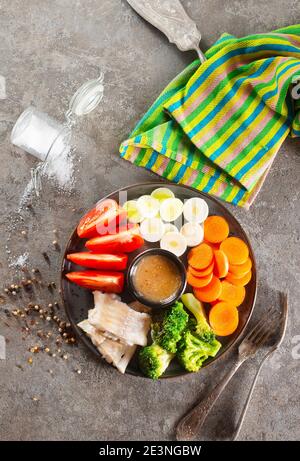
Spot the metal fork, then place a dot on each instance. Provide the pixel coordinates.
(280, 337)
(191, 423)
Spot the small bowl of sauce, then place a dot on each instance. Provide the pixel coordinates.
(156, 278)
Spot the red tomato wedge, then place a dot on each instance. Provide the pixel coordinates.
(109, 282)
(115, 262)
(125, 241)
(102, 219)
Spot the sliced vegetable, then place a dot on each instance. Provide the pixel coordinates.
(148, 206)
(125, 241)
(193, 233)
(103, 218)
(241, 281)
(201, 256)
(198, 282)
(170, 228)
(236, 250)
(221, 264)
(216, 229)
(162, 193)
(210, 292)
(116, 262)
(232, 294)
(133, 214)
(173, 242)
(109, 282)
(152, 229)
(241, 269)
(171, 209)
(195, 210)
(224, 318)
(202, 273)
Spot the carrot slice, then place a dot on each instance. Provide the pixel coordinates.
(215, 246)
(239, 270)
(235, 249)
(221, 264)
(241, 281)
(224, 318)
(203, 272)
(210, 292)
(232, 294)
(198, 282)
(201, 256)
(216, 229)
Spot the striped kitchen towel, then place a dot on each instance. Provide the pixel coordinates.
(218, 126)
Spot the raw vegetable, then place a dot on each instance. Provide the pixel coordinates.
(210, 292)
(173, 242)
(126, 241)
(154, 360)
(152, 229)
(133, 214)
(199, 341)
(171, 209)
(201, 256)
(195, 210)
(221, 264)
(103, 218)
(198, 282)
(116, 262)
(202, 273)
(224, 318)
(216, 229)
(193, 233)
(148, 206)
(232, 294)
(241, 281)
(172, 327)
(235, 249)
(108, 282)
(162, 193)
(241, 269)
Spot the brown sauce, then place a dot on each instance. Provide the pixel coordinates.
(156, 278)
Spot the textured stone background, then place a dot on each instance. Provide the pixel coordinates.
(48, 48)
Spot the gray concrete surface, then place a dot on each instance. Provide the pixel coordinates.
(47, 49)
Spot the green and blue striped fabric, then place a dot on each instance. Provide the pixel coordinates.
(218, 126)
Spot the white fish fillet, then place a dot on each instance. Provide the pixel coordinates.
(117, 318)
(112, 351)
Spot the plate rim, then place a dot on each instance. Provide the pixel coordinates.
(80, 334)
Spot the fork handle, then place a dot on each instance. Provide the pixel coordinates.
(244, 411)
(191, 423)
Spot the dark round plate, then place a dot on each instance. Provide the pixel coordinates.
(77, 301)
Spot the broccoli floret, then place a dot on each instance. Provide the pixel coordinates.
(154, 360)
(197, 309)
(193, 350)
(199, 341)
(172, 327)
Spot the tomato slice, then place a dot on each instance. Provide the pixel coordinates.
(102, 219)
(125, 241)
(115, 262)
(108, 282)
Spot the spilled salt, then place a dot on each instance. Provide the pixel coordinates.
(19, 261)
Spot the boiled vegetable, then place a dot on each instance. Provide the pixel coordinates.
(210, 292)
(224, 318)
(235, 249)
(216, 229)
